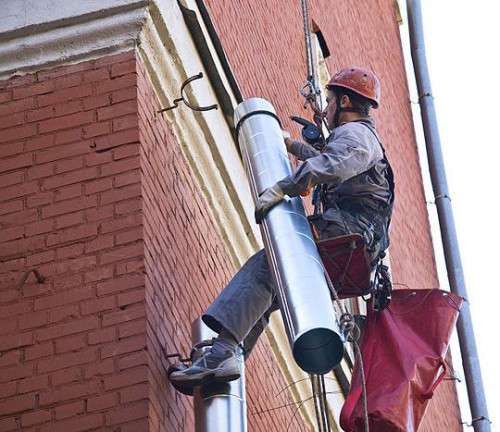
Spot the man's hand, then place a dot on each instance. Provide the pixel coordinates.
(288, 139)
(267, 200)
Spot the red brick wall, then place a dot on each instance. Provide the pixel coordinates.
(124, 251)
(73, 347)
(96, 196)
(186, 267)
(264, 44)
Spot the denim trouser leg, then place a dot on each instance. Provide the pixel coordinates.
(244, 306)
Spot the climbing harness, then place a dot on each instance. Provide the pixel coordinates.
(382, 285)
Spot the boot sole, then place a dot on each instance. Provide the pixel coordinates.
(226, 378)
(206, 379)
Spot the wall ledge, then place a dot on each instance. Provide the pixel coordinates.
(36, 35)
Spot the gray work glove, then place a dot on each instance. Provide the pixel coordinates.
(267, 200)
(288, 139)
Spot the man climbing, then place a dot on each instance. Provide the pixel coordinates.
(355, 183)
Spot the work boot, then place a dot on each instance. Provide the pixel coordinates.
(210, 367)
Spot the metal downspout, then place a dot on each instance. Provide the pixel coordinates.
(465, 331)
(219, 407)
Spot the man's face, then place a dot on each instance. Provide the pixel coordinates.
(331, 106)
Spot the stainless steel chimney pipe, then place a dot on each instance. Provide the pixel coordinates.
(219, 407)
(302, 291)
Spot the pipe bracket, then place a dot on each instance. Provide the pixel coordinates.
(186, 102)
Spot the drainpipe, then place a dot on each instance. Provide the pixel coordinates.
(293, 257)
(470, 360)
(219, 407)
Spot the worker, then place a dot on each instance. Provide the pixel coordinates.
(355, 180)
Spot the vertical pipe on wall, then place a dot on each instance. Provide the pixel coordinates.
(296, 266)
(219, 407)
(456, 279)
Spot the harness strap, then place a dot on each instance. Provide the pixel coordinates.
(390, 173)
(320, 191)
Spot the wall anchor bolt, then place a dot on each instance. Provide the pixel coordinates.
(39, 277)
(475, 420)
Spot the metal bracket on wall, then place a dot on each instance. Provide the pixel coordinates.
(475, 420)
(39, 277)
(183, 99)
(178, 356)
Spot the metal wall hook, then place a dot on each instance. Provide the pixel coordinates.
(186, 102)
(39, 277)
(475, 420)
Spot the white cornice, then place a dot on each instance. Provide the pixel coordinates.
(170, 57)
(37, 34)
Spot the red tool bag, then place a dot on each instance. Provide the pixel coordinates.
(347, 263)
(403, 350)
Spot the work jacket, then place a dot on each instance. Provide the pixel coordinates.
(354, 173)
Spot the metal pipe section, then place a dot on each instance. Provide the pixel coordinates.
(296, 266)
(465, 331)
(219, 407)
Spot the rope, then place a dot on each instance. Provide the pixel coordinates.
(325, 402)
(307, 40)
(347, 324)
(352, 332)
(363, 385)
(317, 407)
(312, 95)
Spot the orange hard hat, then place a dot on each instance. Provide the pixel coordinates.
(360, 81)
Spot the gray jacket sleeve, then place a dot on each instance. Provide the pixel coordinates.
(303, 151)
(347, 154)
